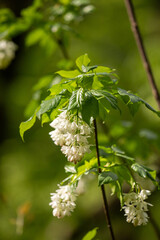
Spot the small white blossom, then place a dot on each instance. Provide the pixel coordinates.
(7, 53)
(72, 135)
(135, 207)
(63, 201)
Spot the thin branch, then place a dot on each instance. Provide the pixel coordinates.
(139, 41)
(62, 47)
(106, 209)
(147, 66)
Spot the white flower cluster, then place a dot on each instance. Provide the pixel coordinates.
(7, 53)
(63, 201)
(135, 207)
(71, 135)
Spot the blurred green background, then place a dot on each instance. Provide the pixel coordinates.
(30, 171)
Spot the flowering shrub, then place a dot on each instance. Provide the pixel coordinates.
(76, 100)
(72, 107)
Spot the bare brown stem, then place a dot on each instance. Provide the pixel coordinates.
(106, 209)
(142, 51)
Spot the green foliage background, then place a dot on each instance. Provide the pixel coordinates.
(30, 171)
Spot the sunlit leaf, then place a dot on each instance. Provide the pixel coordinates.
(24, 126)
(96, 83)
(45, 118)
(85, 168)
(69, 74)
(102, 69)
(82, 62)
(91, 234)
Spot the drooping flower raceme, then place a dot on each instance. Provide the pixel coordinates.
(71, 134)
(63, 201)
(135, 207)
(7, 53)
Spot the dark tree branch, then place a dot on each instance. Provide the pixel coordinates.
(147, 66)
(106, 209)
(139, 41)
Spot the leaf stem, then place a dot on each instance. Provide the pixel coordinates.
(141, 48)
(106, 209)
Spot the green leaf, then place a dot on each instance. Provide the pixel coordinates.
(106, 177)
(84, 168)
(68, 74)
(103, 111)
(55, 112)
(34, 37)
(125, 156)
(133, 101)
(80, 96)
(107, 96)
(48, 105)
(102, 69)
(45, 118)
(116, 188)
(117, 152)
(73, 101)
(106, 80)
(143, 171)
(123, 174)
(89, 107)
(91, 234)
(76, 99)
(82, 62)
(85, 81)
(57, 88)
(32, 105)
(24, 126)
(91, 68)
(96, 84)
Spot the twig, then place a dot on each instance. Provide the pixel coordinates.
(62, 48)
(139, 41)
(106, 209)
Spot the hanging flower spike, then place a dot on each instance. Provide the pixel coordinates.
(7, 53)
(71, 136)
(63, 201)
(135, 207)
